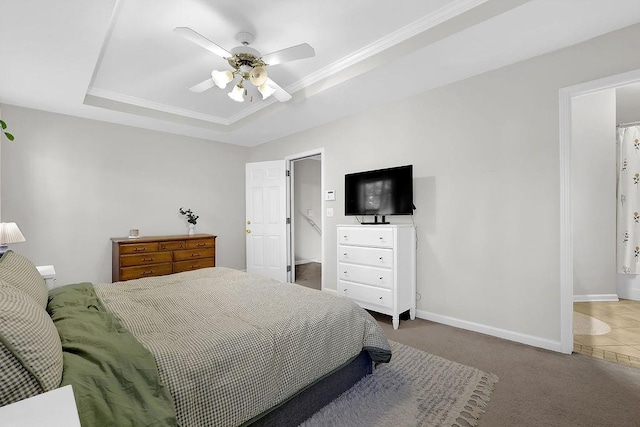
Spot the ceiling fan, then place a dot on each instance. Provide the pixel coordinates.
(247, 63)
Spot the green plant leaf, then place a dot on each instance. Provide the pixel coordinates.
(3, 124)
(9, 136)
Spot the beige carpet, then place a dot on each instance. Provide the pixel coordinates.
(588, 325)
(309, 275)
(414, 389)
(537, 388)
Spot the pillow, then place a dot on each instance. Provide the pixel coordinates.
(18, 271)
(30, 348)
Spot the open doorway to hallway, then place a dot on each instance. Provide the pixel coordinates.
(306, 220)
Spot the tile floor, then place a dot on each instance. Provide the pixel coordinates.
(622, 344)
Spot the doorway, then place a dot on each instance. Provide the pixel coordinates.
(567, 218)
(306, 206)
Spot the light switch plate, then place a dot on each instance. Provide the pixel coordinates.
(329, 211)
(330, 195)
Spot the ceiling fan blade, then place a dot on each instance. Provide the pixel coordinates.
(202, 86)
(280, 94)
(202, 41)
(292, 53)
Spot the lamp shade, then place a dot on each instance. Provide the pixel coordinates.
(258, 76)
(237, 94)
(221, 78)
(10, 233)
(266, 90)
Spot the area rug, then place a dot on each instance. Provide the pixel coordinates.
(588, 325)
(414, 389)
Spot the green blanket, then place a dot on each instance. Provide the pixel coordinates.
(115, 379)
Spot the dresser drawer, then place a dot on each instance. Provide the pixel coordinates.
(136, 248)
(195, 264)
(366, 294)
(382, 277)
(377, 257)
(144, 259)
(128, 273)
(188, 254)
(172, 246)
(378, 237)
(200, 243)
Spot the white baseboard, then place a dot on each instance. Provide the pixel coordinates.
(490, 330)
(306, 261)
(595, 297)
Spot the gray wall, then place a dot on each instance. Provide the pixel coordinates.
(486, 164)
(593, 167)
(72, 183)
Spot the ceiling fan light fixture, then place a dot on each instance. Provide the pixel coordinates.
(221, 78)
(258, 76)
(266, 90)
(237, 94)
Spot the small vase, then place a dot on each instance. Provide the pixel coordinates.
(192, 229)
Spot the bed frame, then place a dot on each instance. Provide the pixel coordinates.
(311, 399)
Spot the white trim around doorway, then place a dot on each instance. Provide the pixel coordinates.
(566, 220)
(288, 166)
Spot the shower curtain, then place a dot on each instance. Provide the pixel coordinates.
(628, 200)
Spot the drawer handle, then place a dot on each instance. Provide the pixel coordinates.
(201, 244)
(139, 249)
(381, 238)
(195, 266)
(346, 237)
(345, 289)
(345, 272)
(381, 259)
(382, 278)
(147, 259)
(380, 298)
(147, 272)
(194, 255)
(345, 254)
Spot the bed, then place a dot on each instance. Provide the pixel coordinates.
(207, 347)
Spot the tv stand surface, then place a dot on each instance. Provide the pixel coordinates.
(375, 221)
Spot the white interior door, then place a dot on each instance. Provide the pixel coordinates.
(266, 219)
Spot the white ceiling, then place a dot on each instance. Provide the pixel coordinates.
(119, 60)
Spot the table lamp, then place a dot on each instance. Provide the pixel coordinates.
(9, 233)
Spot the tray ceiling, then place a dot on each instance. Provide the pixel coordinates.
(120, 61)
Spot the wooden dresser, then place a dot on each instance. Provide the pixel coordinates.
(160, 255)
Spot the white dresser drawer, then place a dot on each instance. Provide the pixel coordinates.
(371, 236)
(364, 274)
(366, 294)
(377, 257)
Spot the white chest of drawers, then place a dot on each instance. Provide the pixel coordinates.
(377, 268)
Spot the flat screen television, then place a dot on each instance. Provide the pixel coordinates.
(379, 192)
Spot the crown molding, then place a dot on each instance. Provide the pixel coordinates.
(443, 14)
(139, 102)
